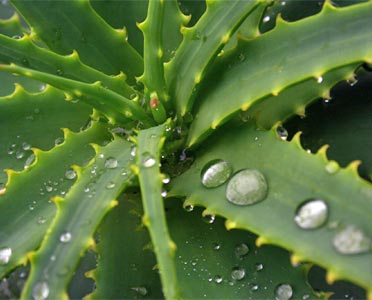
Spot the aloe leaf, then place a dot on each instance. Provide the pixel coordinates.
(149, 144)
(97, 185)
(212, 261)
(283, 64)
(193, 8)
(288, 171)
(11, 27)
(114, 106)
(24, 204)
(125, 267)
(76, 26)
(24, 52)
(35, 113)
(199, 47)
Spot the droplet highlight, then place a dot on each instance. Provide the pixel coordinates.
(215, 173)
(111, 163)
(238, 273)
(312, 214)
(70, 174)
(65, 237)
(241, 250)
(351, 240)
(5, 255)
(40, 291)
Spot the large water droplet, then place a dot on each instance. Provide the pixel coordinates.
(351, 240)
(332, 167)
(311, 214)
(238, 273)
(148, 160)
(70, 174)
(29, 161)
(111, 163)
(40, 291)
(241, 250)
(5, 254)
(283, 292)
(246, 187)
(215, 173)
(65, 237)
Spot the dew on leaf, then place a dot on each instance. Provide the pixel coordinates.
(20, 154)
(148, 160)
(40, 291)
(216, 246)
(188, 208)
(259, 266)
(41, 220)
(111, 163)
(26, 146)
(319, 79)
(218, 279)
(351, 240)
(29, 161)
(110, 185)
(332, 167)
(5, 255)
(311, 214)
(70, 174)
(246, 187)
(266, 19)
(241, 250)
(283, 292)
(254, 287)
(166, 179)
(49, 188)
(65, 237)
(282, 133)
(238, 273)
(209, 218)
(58, 141)
(215, 173)
(140, 290)
(133, 151)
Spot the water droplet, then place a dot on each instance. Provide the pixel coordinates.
(351, 240)
(166, 179)
(60, 72)
(111, 163)
(209, 218)
(241, 250)
(49, 188)
(215, 173)
(148, 160)
(110, 185)
(352, 80)
(133, 151)
(189, 208)
(70, 174)
(218, 279)
(244, 116)
(327, 100)
(16, 37)
(216, 246)
(306, 296)
(283, 292)
(40, 291)
(41, 220)
(311, 214)
(266, 19)
(5, 254)
(141, 290)
(246, 187)
(258, 267)
(20, 154)
(29, 161)
(65, 237)
(238, 273)
(319, 79)
(254, 287)
(282, 133)
(58, 141)
(332, 167)
(164, 193)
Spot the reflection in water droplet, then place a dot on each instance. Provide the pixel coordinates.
(111, 163)
(218, 279)
(259, 267)
(140, 290)
(70, 174)
(332, 167)
(319, 79)
(209, 218)
(110, 185)
(215, 173)
(188, 207)
(241, 250)
(133, 151)
(58, 141)
(40, 291)
(65, 237)
(216, 246)
(351, 240)
(266, 19)
(311, 214)
(166, 179)
(41, 220)
(283, 292)
(5, 254)
(282, 133)
(148, 160)
(238, 273)
(29, 161)
(246, 187)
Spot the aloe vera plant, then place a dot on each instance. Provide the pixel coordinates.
(151, 136)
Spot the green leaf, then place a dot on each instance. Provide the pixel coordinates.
(149, 143)
(25, 209)
(97, 185)
(311, 56)
(199, 47)
(40, 118)
(76, 26)
(126, 266)
(293, 177)
(212, 261)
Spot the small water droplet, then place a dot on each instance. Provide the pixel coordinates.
(241, 250)
(311, 214)
(141, 290)
(41, 220)
(283, 292)
(209, 218)
(166, 179)
(26, 146)
(133, 151)
(246, 187)
(29, 161)
(259, 266)
(19, 154)
(60, 72)
(5, 255)
(266, 19)
(188, 208)
(58, 141)
(351, 240)
(352, 80)
(110, 185)
(164, 193)
(244, 116)
(49, 188)
(40, 291)
(306, 296)
(65, 237)
(70, 174)
(148, 160)
(282, 133)
(111, 163)
(254, 287)
(215, 173)
(218, 279)
(238, 273)
(16, 37)
(319, 79)
(216, 246)
(332, 167)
